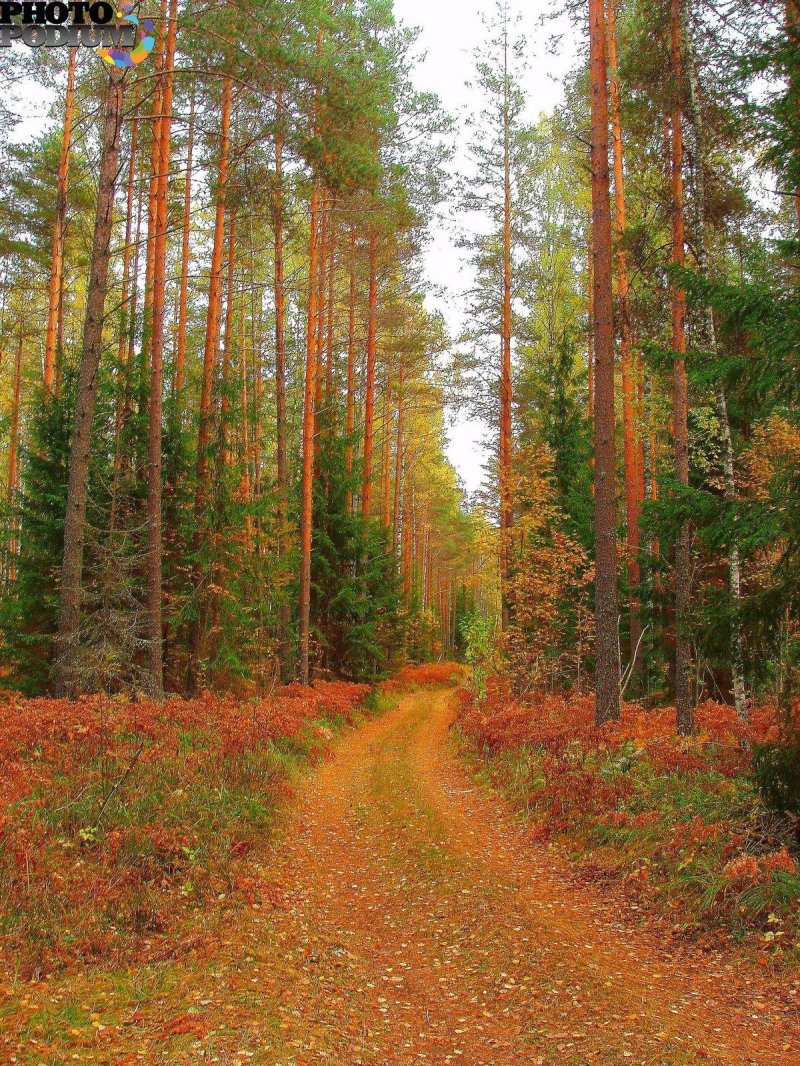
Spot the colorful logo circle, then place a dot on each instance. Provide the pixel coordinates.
(118, 57)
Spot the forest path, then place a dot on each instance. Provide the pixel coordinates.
(411, 921)
(416, 924)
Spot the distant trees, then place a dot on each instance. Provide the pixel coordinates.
(205, 474)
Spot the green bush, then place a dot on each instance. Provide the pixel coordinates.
(776, 769)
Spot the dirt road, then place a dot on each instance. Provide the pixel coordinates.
(411, 922)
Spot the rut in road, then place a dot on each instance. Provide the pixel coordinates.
(414, 923)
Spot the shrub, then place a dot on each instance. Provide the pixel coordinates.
(776, 768)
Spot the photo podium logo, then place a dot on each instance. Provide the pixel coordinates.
(119, 36)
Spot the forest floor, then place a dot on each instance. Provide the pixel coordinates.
(409, 918)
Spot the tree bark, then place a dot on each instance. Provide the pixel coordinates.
(55, 311)
(91, 350)
(369, 402)
(155, 632)
(627, 361)
(350, 398)
(210, 354)
(307, 484)
(607, 669)
(684, 702)
(398, 465)
(280, 324)
(13, 460)
(590, 330)
(183, 297)
(793, 31)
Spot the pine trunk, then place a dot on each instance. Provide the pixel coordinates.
(607, 677)
(350, 399)
(183, 297)
(684, 702)
(13, 461)
(369, 402)
(627, 359)
(307, 485)
(54, 311)
(154, 487)
(91, 351)
(210, 354)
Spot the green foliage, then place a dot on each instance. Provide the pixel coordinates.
(355, 609)
(776, 769)
(29, 617)
(479, 633)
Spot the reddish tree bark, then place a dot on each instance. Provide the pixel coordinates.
(369, 401)
(386, 467)
(627, 360)
(307, 484)
(590, 331)
(156, 402)
(280, 323)
(210, 354)
(329, 325)
(398, 465)
(607, 669)
(55, 302)
(350, 398)
(183, 297)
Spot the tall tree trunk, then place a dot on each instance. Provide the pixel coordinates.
(152, 210)
(350, 398)
(210, 354)
(125, 311)
(91, 350)
(386, 469)
(324, 244)
(155, 408)
(607, 670)
(54, 311)
(627, 360)
(279, 292)
(398, 464)
(307, 485)
(721, 403)
(280, 324)
(590, 330)
(369, 402)
(224, 453)
(506, 394)
(329, 404)
(684, 702)
(183, 297)
(793, 31)
(408, 540)
(13, 461)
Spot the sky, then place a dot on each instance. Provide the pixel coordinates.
(450, 31)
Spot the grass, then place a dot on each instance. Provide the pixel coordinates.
(121, 822)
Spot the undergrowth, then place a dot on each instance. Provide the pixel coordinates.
(119, 819)
(678, 823)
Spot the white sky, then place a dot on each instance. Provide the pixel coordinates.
(451, 29)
